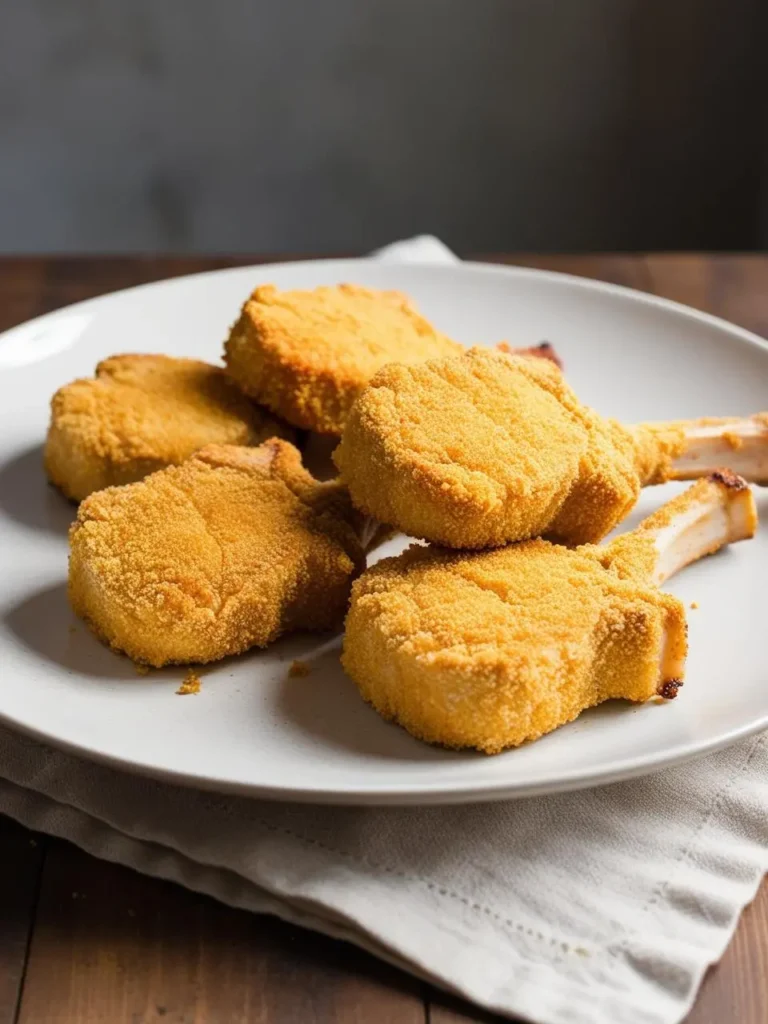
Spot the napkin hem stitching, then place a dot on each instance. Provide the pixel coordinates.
(574, 947)
(708, 817)
(272, 902)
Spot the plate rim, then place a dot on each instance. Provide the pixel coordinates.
(495, 269)
(444, 794)
(420, 793)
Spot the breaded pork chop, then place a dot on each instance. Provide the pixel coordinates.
(469, 452)
(489, 448)
(225, 552)
(308, 354)
(141, 413)
(491, 649)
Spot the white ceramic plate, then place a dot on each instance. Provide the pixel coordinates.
(254, 730)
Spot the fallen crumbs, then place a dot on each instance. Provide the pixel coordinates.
(191, 684)
(298, 669)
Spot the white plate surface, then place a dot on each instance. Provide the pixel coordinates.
(254, 730)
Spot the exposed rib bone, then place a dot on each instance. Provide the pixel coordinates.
(715, 511)
(690, 449)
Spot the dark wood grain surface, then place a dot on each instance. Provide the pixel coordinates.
(83, 941)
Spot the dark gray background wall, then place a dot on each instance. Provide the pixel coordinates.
(330, 125)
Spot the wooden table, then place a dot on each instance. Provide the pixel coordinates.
(82, 941)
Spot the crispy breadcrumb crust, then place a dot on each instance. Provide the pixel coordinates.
(141, 413)
(492, 649)
(225, 552)
(657, 445)
(607, 486)
(467, 452)
(308, 354)
(489, 448)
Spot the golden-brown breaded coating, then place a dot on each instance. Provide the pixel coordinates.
(225, 552)
(488, 448)
(141, 413)
(308, 354)
(467, 452)
(490, 649)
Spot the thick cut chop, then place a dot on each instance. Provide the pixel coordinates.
(308, 354)
(491, 649)
(468, 452)
(225, 552)
(141, 413)
(489, 448)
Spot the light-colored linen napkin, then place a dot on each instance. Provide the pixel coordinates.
(597, 907)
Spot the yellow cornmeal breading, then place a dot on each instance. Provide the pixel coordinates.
(225, 552)
(308, 354)
(491, 649)
(467, 452)
(487, 448)
(618, 463)
(141, 413)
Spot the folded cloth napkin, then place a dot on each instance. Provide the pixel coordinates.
(597, 907)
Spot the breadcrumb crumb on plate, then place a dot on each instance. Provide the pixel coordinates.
(299, 669)
(191, 684)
